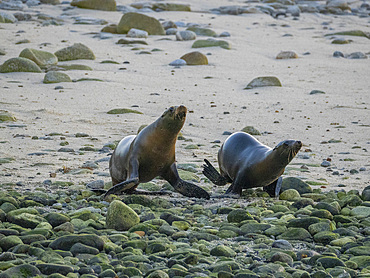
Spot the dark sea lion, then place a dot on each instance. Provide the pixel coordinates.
(246, 163)
(151, 153)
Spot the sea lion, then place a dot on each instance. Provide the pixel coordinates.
(151, 153)
(246, 163)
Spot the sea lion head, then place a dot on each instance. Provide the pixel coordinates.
(287, 150)
(174, 117)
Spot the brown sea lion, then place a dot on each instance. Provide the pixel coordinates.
(246, 163)
(151, 153)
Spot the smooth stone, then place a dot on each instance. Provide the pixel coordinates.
(121, 217)
(111, 28)
(171, 31)
(317, 92)
(287, 55)
(169, 25)
(6, 116)
(203, 31)
(338, 54)
(158, 274)
(20, 271)
(140, 21)
(89, 20)
(66, 242)
(238, 215)
(295, 233)
(106, 5)
(222, 251)
(56, 219)
(123, 111)
(49, 269)
(340, 41)
(56, 77)
(195, 58)
(330, 262)
(282, 257)
(75, 52)
(185, 35)
(263, 81)
(322, 226)
(128, 41)
(9, 241)
(171, 7)
(136, 33)
(304, 222)
(211, 43)
(19, 64)
(357, 55)
(41, 58)
(178, 63)
(282, 244)
(365, 195)
(289, 195)
(325, 237)
(7, 18)
(224, 35)
(294, 10)
(297, 184)
(80, 248)
(360, 212)
(251, 130)
(357, 33)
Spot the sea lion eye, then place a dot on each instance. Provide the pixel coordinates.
(172, 109)
(286, 143)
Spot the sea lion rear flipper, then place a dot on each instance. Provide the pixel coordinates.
(122, 186)
(212, 174)
(190, 190)
(274, 188)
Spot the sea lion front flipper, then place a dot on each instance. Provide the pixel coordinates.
(212, 174)
(274, 188)
(122, 186)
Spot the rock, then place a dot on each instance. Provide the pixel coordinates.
(211, 43)
(80, 248)
(123, 111)
(169, 25)
(75, 52)
(295, 233)
(329, 262)
(254, 228)
(357, 55)
(56, 77)
(21, 271)
(22, 16)
(287, 55)
(128, 41)
(136, 33)
(317, 92)
(294, 10)
(202, 31)
(251, 130)
(158, 274)
(360, 212)
(7, 18)
(104, 5)
(282, 244)
(140, 21)
(357, 33)
(224, 35)
(121, 217)
(223, 251)
(238, 215)
(297, 184)
(365, 195)
(49, 269)
(338, 54)
(19, 64)
(178, 63)
(171, 7)
(41, 58)
(289, 195)
(282, 257)
(111, 28)
(89, 21)
(195, 58)
(340, 41)
(56, 219)
(66, 242)
(6, 116)
(50, 2)
(264, 81)
(9, 241)
(185, 36)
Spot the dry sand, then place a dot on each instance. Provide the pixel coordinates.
(216, 104)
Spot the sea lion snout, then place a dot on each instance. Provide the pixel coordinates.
(180, 111)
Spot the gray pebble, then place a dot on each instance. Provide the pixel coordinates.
(224, 34)
(357, 55)
(325, 163)
(178, 63)
(338, 54)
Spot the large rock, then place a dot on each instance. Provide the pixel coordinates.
(66, 242)
(104, 5)
(19, 64)
(195, 58)
(264, 81)
(7, 18)
(172, 7)
(121, 217)
(140, 21)
(56, 77)
(41, 58)
(75, 52)
(202, 31)
(21, 271)
(297, 184)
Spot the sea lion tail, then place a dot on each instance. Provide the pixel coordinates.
(191, 190)
(212, 174)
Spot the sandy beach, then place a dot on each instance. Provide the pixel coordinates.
(332, 126)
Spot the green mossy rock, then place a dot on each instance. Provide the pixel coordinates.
(264, 81)
(223, 251)
(140, 21)
(6, 116)
(19, 64)
(21, 271)
(295, 233)
(356, 33)
(75, 67)
(123, 111)
(66, 242)
(56, 77)
(195, 58)
(202, 31)
(75, 52)
(121, 217)
(251, 130)
(174, 7)
(211, 43)
(103, 5)
(238, 215)
(9, 242)
(297, 184)
(41, 58)
(289, 195)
